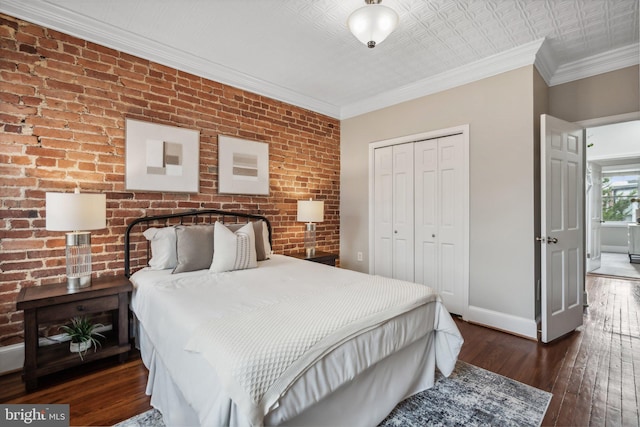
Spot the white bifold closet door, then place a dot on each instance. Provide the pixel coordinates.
(439, 216)
(418, 215)
(394, 212)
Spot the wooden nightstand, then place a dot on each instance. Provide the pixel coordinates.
(49, 303)
(320, 257)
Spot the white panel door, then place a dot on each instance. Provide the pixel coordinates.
(562, 218)
(594, 215)
(427, 218)
(393, 211)
(383, 209)
(403, 199)
(439, 218)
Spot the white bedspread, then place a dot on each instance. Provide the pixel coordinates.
(172, 308)
(260, 353)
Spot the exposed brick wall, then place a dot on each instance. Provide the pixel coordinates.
(63, 104)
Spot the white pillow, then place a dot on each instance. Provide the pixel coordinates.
(163, 247)
(233, 250)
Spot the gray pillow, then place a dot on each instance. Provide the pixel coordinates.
(261, 232)
(194, 247)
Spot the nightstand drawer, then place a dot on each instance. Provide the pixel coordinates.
(78, 308)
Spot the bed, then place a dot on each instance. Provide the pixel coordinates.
(242, 336)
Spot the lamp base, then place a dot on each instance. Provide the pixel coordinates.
(310, 240)
(75, 283)
(78, 260)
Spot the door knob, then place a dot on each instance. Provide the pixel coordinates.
(547, 239)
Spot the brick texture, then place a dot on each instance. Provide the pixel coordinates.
(63, 104)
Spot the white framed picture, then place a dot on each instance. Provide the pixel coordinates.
(243, 166)
(161, 158)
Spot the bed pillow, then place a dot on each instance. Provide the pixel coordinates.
(234, 250)
(263, 246)
(194, 247)
(163, 247)
(261, 233)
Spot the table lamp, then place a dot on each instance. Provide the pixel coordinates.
(310, 211)
(76, 213)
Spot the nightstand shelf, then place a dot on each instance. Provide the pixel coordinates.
(319, 257)
(55, 303)
(56, 357)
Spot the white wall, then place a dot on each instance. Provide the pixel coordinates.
(500, 114)
(620, 140)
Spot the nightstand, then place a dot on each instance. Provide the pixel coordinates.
(53, 303)
(320, 257)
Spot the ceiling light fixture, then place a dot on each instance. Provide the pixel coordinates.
(372, 23)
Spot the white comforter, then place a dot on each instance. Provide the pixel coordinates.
(176, 309)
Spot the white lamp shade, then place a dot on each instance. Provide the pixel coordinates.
(76, 211)
(373, 22)
(310, 210)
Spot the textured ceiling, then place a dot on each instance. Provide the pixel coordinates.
(301, 51)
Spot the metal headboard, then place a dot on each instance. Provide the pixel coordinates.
(194, 215)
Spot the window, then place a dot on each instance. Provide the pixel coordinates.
(620, 197)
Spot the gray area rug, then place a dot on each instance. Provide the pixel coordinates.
(471, 396)
(613, 264)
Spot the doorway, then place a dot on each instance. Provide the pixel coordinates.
(612, 192)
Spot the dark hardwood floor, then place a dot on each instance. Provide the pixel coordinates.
(593, 373)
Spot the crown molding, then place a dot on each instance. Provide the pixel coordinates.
(487, 67)
(538, 52)
(52, 16)
(545, 61)
(612, 60)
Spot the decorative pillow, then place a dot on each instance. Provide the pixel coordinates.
(261, 233)
(163, 247)
(234, 250)
(266, 245)
(194, 247)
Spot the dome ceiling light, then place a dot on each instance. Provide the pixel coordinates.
(372, 23)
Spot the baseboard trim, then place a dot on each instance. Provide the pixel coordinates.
(11, 358)
(515, 325)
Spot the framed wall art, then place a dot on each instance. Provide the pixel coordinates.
(161, 158)
(243, 166)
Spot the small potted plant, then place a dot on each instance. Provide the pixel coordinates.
(83, 335)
